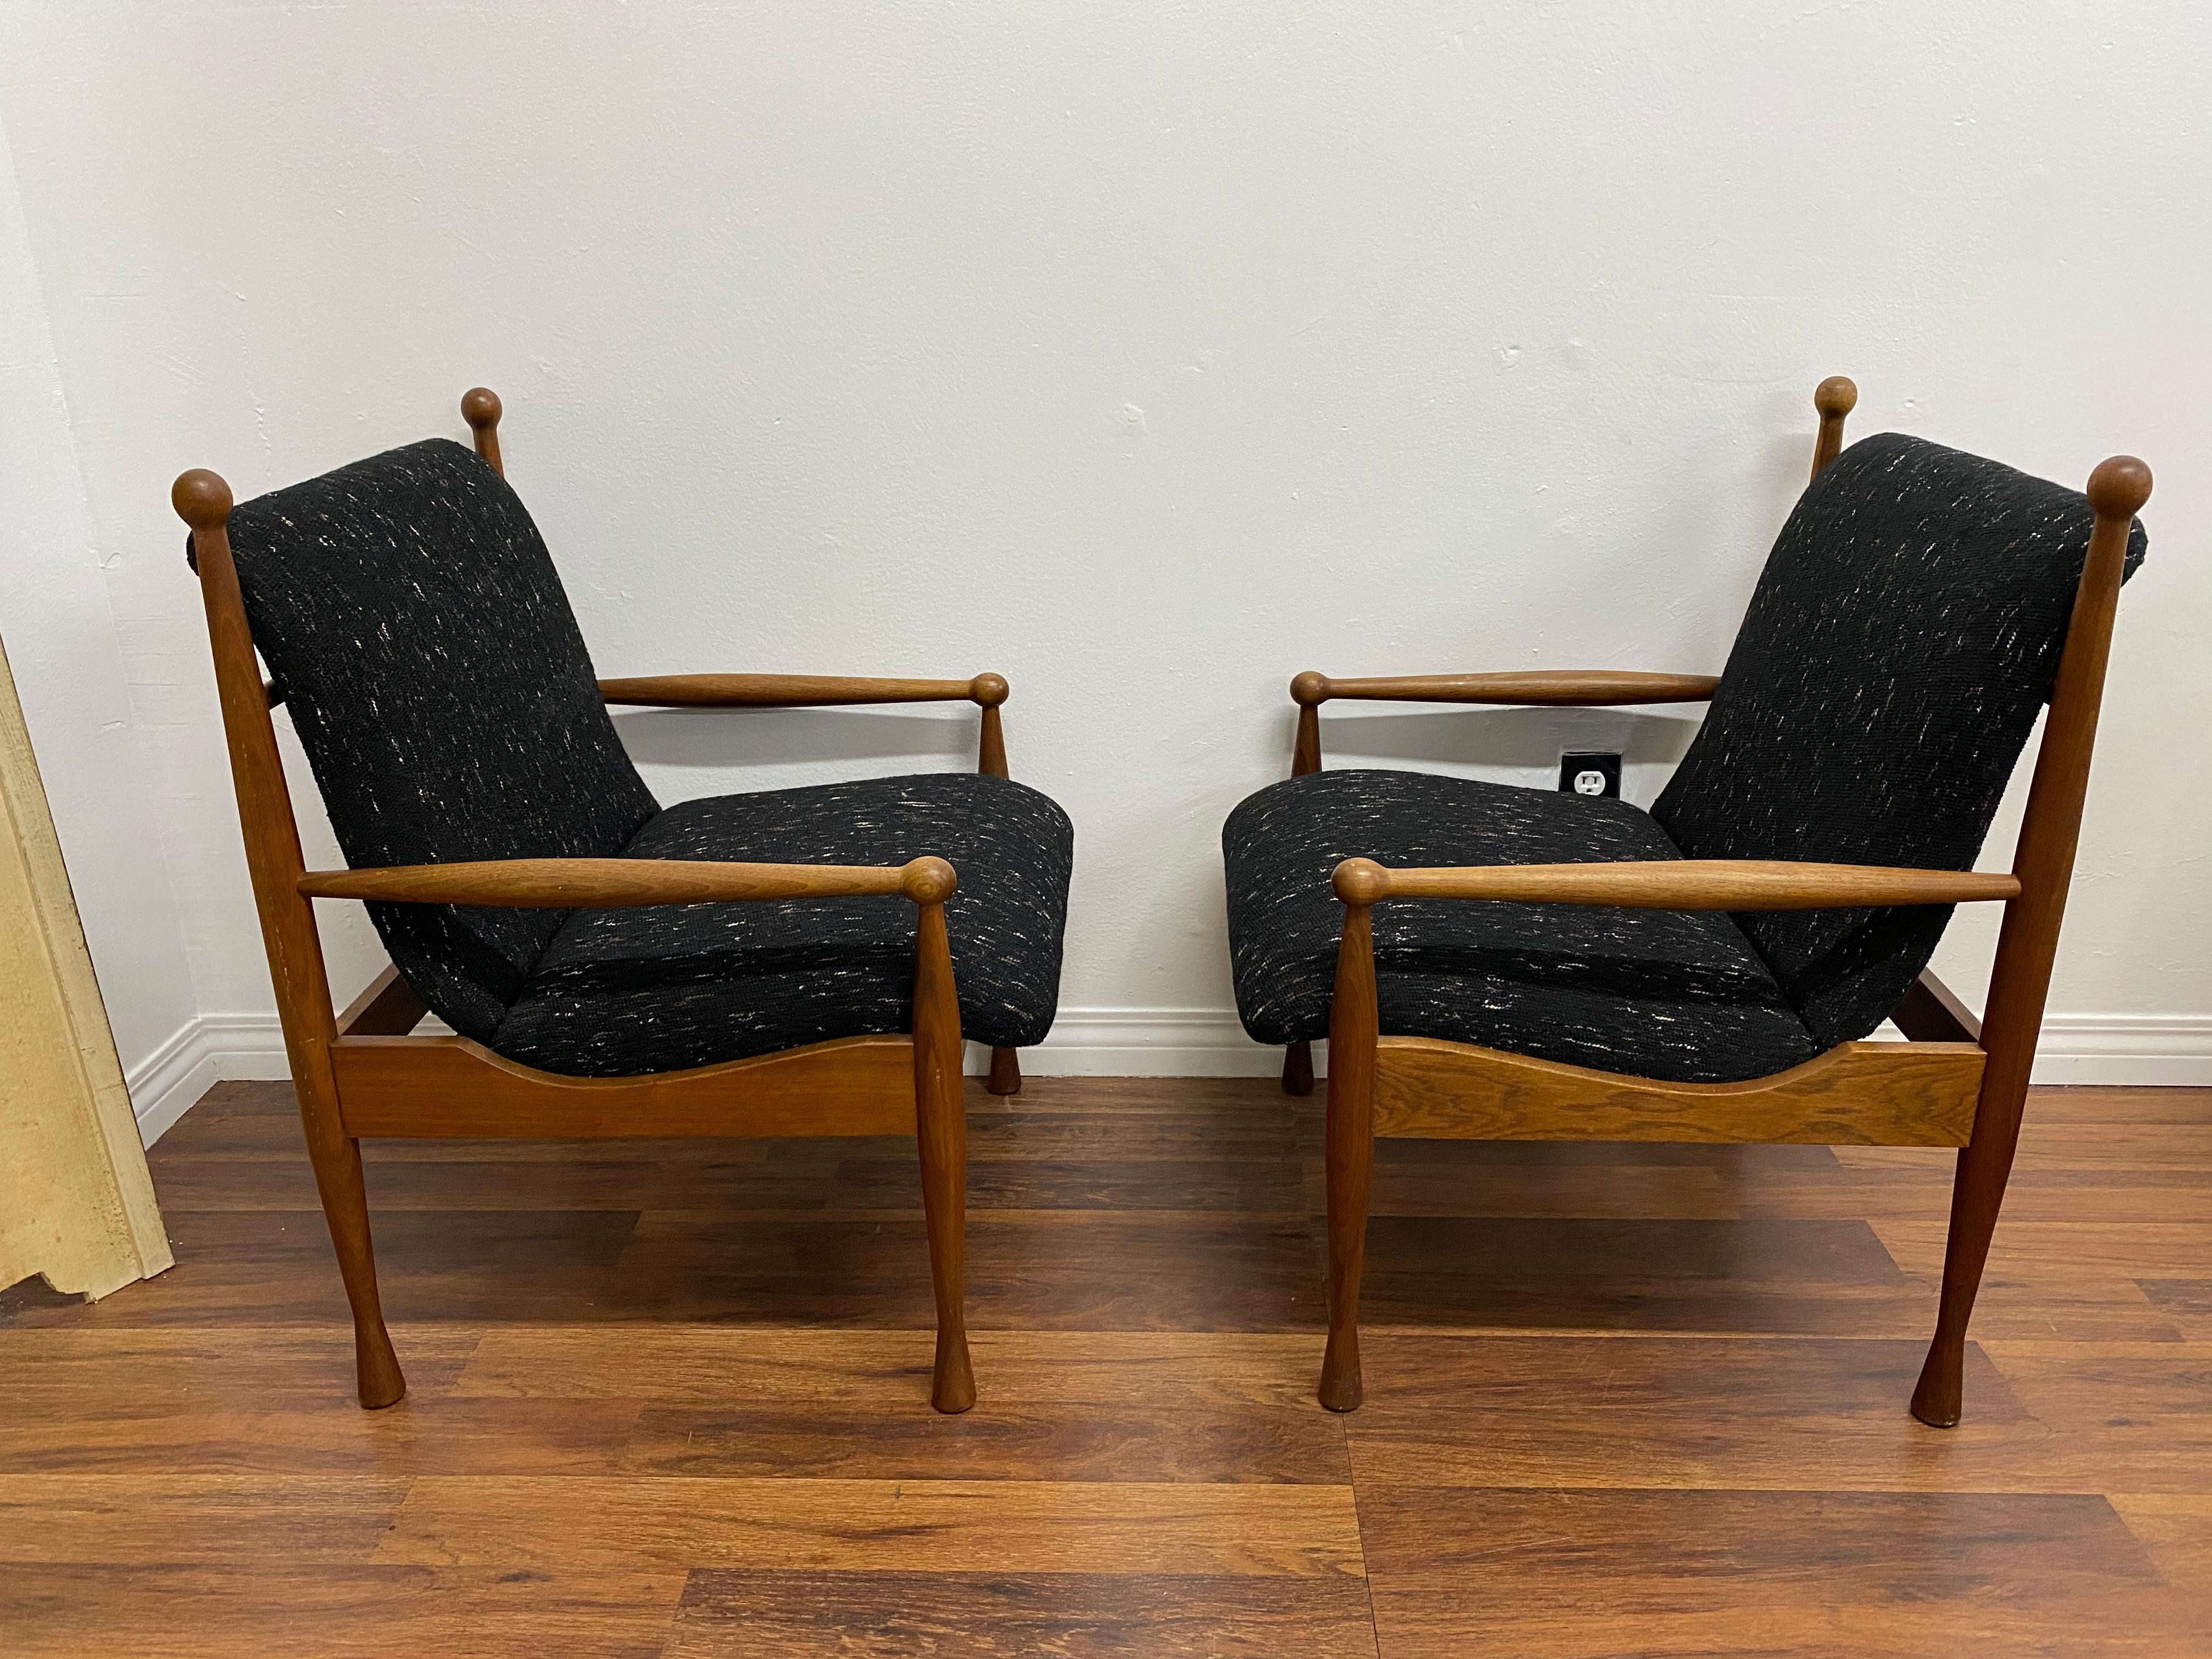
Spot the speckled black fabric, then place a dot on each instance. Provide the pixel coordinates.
(413, 618)
(1676, 994)
(1888, 672)
(1907, 627)
(626, 991)
(408, 612)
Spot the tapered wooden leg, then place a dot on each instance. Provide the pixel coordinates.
(1005, 1077)
(1977, 1192)
(1351, 1152)
(941, 1132)
(2020, 980)
(336, 1159)
(1297, 1069)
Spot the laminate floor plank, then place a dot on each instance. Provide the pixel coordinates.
(1059, 1405)
(669, 1398)
(596, 1524)
(268, 1609)
(1007, 1616)
(173, 1519)
(1583, 1573)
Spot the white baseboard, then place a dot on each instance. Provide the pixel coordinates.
(210, 1049)
(1146, 1043)
(2152, 1050)
(2145, 1050)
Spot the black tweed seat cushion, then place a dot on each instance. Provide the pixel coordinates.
(1904, 634)
(1903, 637)
(409, 613)
(1676, 994)
(623, 992)
(412, 615)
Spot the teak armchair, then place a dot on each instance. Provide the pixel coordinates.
(520, 873)
(1888, 672)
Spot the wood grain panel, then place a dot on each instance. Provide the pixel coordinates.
(1827, 1278)
(2186, 1302)
(878, 1526)
(450, 1086)
(1885, 1093)
(1653, 1412)
(1008, 1616)
(268, 1609)
(214, 1433)
(2176, 1529)
(1624, 1397)
(1901, 1575)
(1075, 1405)
(194, 1518)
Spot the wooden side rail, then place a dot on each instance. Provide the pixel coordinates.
(1565, 687)
(627, 883)
(387, 1006)
(987, 692)
(1933, 1013)
(1676, 884)
(794, 690)
(1557, 688)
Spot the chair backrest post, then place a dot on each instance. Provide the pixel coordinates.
(481, 409)
(273, 857)
(1834, 398)
(2050, 828)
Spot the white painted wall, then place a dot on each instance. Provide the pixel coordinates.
(1147, 354)
(65, 647)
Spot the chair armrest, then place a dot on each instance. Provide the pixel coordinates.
(1563, 687)
(794, 690)
(627, 883)
(1677, 884)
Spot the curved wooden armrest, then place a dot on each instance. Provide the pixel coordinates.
(626, 884)
(794, 690)
(1564, 687)
(1677, 884)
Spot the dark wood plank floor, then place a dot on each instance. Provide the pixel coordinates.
(670, 1399)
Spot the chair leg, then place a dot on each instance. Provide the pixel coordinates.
(1977, 1192)
(941, 1135)
(336, 1159)
(1005, 1077)
(1350, 1167)
(1349, 1151)
(1297, 1069)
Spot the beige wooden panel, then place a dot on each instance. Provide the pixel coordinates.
(75, 1202)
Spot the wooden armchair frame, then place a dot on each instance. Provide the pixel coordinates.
(361, 1072)
(1956, 1082)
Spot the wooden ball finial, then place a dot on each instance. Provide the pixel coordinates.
(2119, 487)
(1835, 396)
(1359, 881)
(480, 407)
(989, 690)
(927, 880)
(202, 499)
(1309, 689)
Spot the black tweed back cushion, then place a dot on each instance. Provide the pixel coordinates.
(411, 614)
(1907, 627)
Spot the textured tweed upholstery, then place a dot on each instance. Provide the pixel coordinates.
(1905, 630)
(1677, 994)
(627, 991)
(412, 615)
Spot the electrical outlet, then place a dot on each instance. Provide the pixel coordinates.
(1589, 772)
